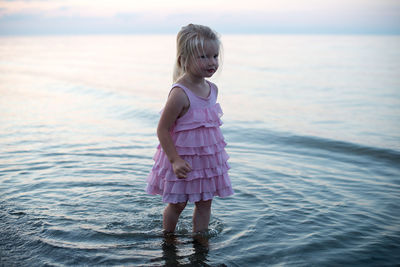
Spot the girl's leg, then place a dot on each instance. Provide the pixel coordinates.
(201, 215)
(171, 215)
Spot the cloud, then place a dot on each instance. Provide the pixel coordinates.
(152, 16)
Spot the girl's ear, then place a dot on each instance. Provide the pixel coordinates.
(181, 61)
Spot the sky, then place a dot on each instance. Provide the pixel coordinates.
(30, 17)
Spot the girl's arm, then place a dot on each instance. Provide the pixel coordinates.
(176, 103)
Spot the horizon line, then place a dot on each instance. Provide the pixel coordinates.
(227, 32)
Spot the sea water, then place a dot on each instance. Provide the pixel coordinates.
(312, 124)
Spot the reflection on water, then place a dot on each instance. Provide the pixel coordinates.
(176, 255)
(170, 251)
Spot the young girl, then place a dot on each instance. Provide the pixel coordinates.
(191, 162)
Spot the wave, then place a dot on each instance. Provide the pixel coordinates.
(289, 142)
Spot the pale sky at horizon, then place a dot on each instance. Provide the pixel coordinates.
(154, 16)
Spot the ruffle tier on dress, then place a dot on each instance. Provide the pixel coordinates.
(198, 140)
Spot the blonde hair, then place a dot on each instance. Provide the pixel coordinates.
(189, 41)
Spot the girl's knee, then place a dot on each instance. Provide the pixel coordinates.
(178, 207)
(203, 204)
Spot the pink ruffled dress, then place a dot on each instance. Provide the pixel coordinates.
(199, 141)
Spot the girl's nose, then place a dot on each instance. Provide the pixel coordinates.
(213, 61)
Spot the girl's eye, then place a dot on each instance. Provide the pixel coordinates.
(215, 56)
(202, 56)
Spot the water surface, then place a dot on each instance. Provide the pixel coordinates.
(313, 130)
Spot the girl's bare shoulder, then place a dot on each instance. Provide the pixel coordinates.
(178, 96)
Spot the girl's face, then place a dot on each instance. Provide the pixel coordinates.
(205, 62)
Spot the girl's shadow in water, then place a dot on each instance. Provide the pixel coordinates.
(198, 258)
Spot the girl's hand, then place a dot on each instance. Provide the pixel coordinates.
(181, 168)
